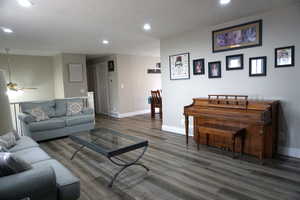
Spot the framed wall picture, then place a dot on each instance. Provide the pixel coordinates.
(214, 69)
(237, 37)
(258, 66)
(235, 62)
(285, 56)
(179, 66)
(111, 66)
(75, 73)
(198, 66)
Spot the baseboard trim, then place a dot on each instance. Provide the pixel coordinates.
(287, 151)
(130, 114)
(177, 130)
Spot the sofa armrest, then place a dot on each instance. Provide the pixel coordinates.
(37, 184)
(26, 118)
(87, 111)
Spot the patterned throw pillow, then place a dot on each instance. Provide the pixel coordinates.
(74, 108)
(39, 114)
(11, 164)
(8, 140)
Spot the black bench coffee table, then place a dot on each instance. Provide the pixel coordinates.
(111, 144)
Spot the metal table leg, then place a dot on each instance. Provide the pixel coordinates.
(125, 165)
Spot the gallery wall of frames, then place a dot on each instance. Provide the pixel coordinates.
(247, 35)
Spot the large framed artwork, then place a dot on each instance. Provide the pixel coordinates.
(179, 66)
(237, 37)
(258, 66)
(214, 69)
(285, 56)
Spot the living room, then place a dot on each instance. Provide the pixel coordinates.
(76, 79)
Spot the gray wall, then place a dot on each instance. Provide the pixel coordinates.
(58, 76)
(74, 89)
(280, 28)
(135, 84)
(129, 84)
(112, 78)
(31, 71)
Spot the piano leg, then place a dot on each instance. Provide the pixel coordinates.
(187, 129)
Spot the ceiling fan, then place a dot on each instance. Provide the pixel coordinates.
(12, 86)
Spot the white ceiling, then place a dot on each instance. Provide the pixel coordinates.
(78, 26)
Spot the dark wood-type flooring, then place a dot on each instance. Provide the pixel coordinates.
(176, 172)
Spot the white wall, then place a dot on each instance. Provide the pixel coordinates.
(280, 28)
(31, 71)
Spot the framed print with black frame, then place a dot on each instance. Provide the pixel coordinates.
(258, 66)
(214, 69)
(199, 66)
(237, 37)
(111, 66)
(179, 66)
(285, 56)
(235, 62)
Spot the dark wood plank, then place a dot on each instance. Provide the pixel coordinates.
(176, 172)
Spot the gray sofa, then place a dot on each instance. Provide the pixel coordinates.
(47, 180)
(59, 124)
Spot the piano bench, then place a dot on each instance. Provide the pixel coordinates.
(224, 131)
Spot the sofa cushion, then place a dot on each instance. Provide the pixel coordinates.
(47, 106)
(79, 119)
(24, 143)
(50, 124)
(68, 185)
(12, 164)
(61, 106)
(88, 111)
(32, 155)
(39, 114)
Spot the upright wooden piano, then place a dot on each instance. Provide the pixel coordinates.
(259, 118)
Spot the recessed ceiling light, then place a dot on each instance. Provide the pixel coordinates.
(25, 3)
(224, 2)
(147, 27)
(105, 42)
(7, 30)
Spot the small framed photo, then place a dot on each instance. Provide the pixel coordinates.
(235, 62)
(214, 69)
(198, 67)
(111, 66)
(258, 66)
(179, 66)
(285, 56)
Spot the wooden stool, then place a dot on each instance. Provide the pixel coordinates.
(223, 131)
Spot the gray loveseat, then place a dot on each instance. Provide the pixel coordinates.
(47, 180)
(60, 124)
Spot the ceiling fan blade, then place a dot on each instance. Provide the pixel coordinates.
(29, 89)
